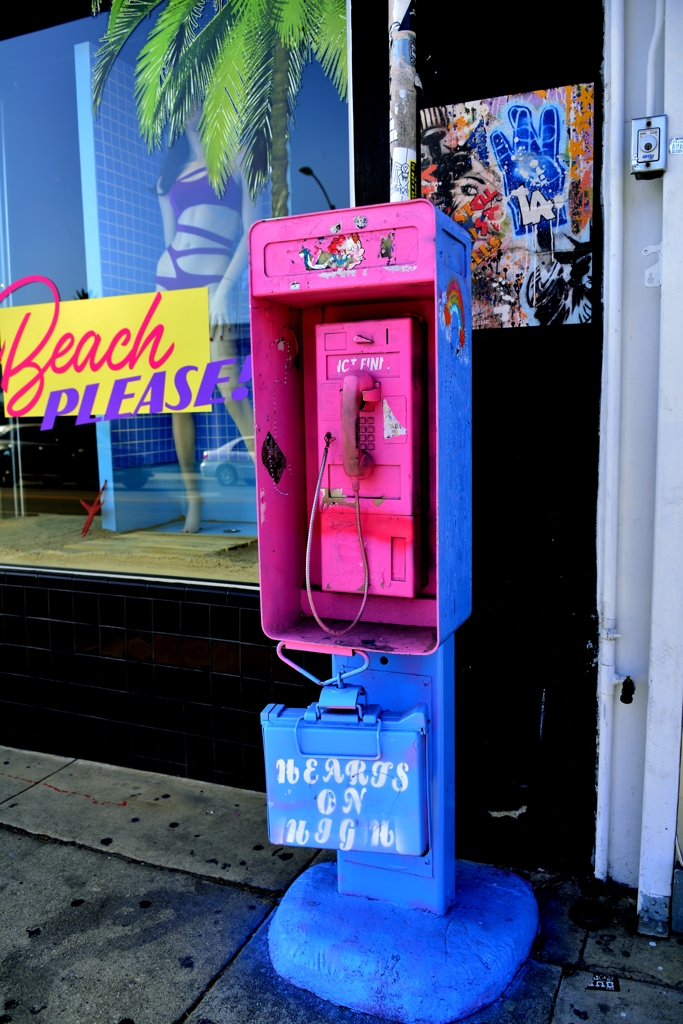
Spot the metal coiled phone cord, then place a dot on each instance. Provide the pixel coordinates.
(356, 486)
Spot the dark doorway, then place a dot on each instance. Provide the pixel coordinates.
(525, 661)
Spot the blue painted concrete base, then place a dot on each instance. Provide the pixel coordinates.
(402, 964)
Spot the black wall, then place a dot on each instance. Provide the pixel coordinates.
(159, 677)
(17, 22)
(172, 678)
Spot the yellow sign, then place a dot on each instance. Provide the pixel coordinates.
(108, 358)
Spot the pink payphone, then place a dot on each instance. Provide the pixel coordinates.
(361, 360)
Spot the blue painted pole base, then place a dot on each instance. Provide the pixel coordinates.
(403, 964)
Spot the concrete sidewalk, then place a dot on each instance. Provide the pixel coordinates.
(133, 898)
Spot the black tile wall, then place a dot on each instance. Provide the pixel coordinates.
(166, 678)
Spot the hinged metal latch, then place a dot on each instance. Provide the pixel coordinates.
(342, 706)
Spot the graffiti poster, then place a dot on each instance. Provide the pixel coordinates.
(517, 173)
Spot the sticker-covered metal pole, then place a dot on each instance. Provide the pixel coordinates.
(403, 101)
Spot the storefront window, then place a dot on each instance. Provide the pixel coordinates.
(84, 204)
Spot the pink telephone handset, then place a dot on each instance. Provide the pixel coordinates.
(357, 463)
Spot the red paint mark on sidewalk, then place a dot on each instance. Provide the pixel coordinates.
(75, 792)
(68, 792)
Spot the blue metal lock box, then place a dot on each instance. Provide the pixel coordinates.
(344, 775)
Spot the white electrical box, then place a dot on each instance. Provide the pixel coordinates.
(648, 146)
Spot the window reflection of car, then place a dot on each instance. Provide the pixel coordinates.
(230, 463)
(65, 455)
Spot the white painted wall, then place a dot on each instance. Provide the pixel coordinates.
(665, 693)
(637, 755)
(640, 364)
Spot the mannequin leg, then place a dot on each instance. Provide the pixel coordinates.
(224, 346)
(184, 438)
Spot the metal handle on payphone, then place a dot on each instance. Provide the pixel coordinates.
(358, 464)
(337, 680)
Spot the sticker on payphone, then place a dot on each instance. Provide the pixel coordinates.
(370, 402)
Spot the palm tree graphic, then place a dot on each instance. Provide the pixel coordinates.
(243, 67)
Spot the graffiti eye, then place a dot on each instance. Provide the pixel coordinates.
(468, 190)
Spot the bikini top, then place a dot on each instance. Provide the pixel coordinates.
(183, 194)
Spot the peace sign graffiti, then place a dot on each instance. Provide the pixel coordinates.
(533, 175)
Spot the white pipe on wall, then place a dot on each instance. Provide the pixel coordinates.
(610, 414)
(665, 683)
(652, 60)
